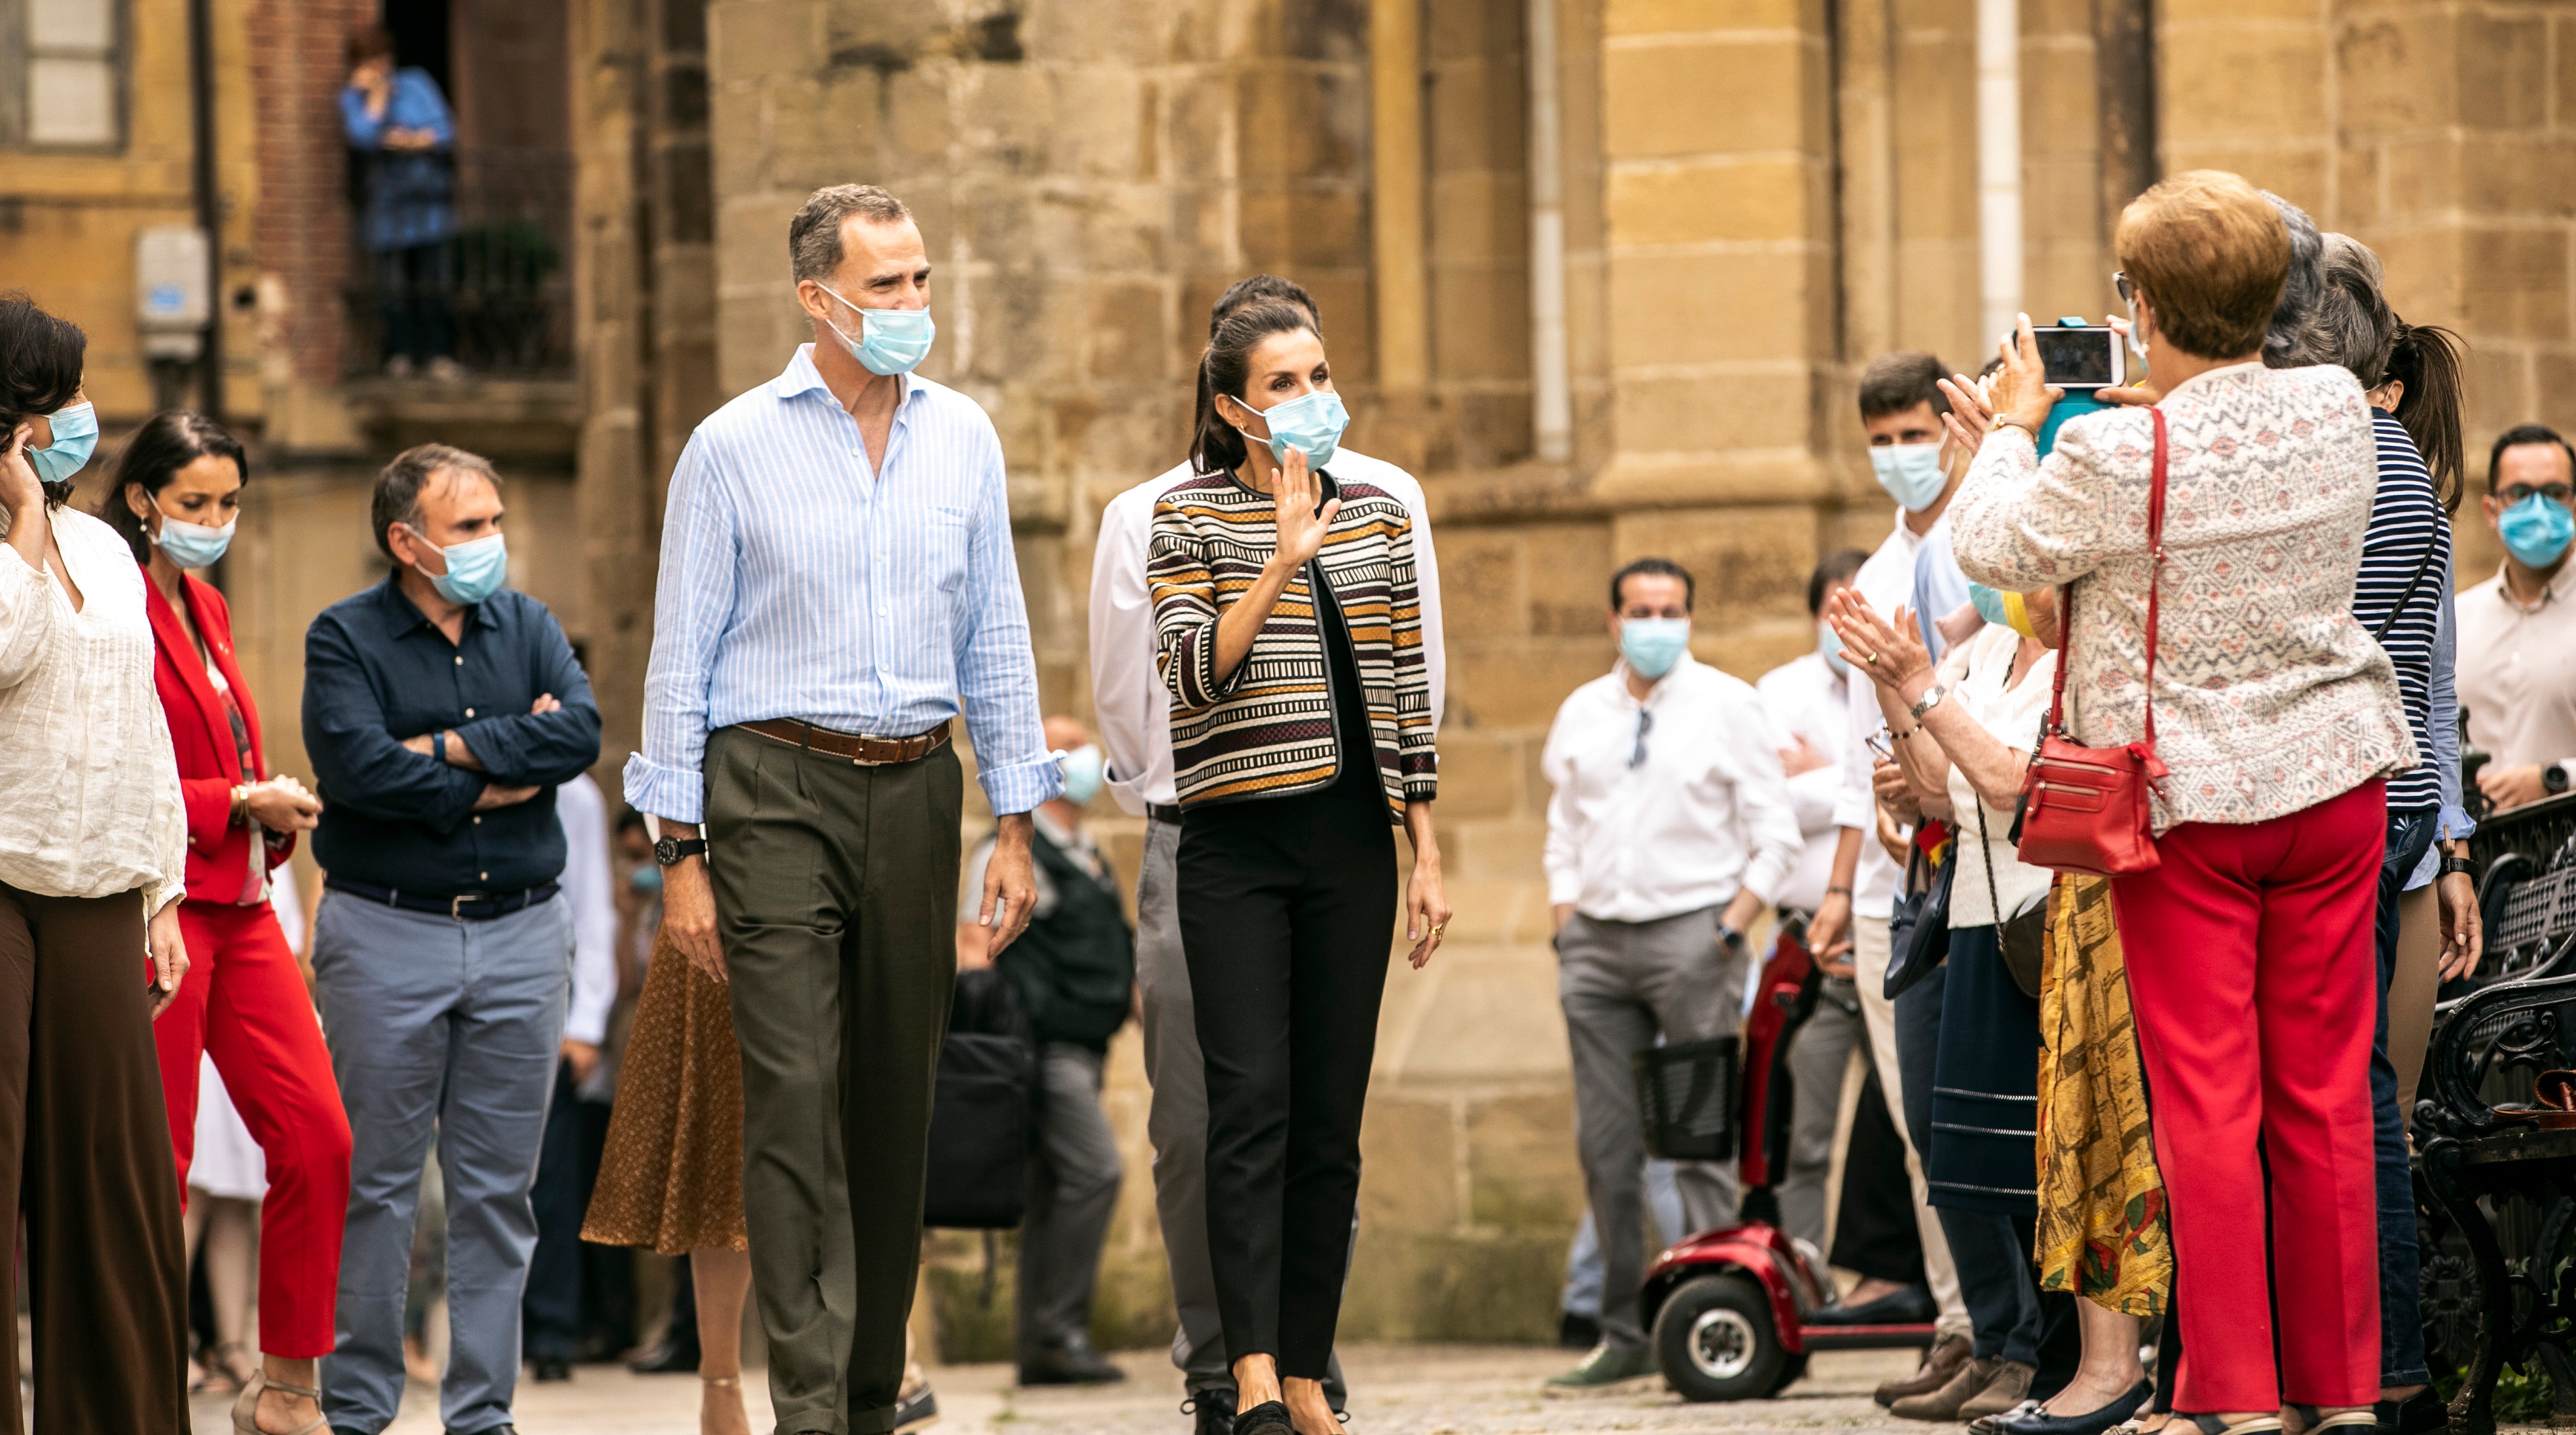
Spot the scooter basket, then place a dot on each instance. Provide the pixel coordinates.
(1690, 1093)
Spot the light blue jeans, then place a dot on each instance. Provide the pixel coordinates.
(449, 1028)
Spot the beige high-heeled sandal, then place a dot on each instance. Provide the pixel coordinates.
(246, 1409)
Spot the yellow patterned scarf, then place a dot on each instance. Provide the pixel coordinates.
(2102, 1231)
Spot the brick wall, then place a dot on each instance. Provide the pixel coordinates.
(300, 235)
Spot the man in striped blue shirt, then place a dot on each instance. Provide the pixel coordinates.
(837, 586)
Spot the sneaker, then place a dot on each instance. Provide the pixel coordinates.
(916, 1411)
(1072, 1363)
(1940, 1363)
(1605, 1367)
(2009, 1387)
(1943, 1403)
(1212, 1410)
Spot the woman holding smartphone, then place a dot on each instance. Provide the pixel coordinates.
(177, 494)
(1289, 626)
(93, 856)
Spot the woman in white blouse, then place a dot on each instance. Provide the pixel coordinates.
(92, 862)
(2253, 971)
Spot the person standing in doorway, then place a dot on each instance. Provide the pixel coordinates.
(398, 125)
(441, 710)
(837, 586)
(1669, 831)
(1075, 972)
(1134, 711)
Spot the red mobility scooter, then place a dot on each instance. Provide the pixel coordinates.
(1734, 1311)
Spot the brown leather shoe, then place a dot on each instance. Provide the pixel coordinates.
(1939, 1363)
(2009, 1388)
(1943, 1404)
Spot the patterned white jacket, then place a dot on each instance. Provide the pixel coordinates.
(2270, 698)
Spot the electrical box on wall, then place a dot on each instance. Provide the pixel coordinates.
(172, 299)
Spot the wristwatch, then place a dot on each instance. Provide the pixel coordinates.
(1729, 938)
(670, 850)
(2458, 864)
(2553, 778)
(1927, 703)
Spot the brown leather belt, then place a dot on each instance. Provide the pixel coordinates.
(865, 751)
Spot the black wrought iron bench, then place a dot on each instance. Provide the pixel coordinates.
(2496, 1193)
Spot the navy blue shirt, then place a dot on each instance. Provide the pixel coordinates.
(376, 671)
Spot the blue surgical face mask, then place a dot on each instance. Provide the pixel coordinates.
(646, 879)
(75, 439)
(193, 545)
(1653, 645)
(891, 341)
(1083, 768)
(1830, 644)
(1312, 422)
(1911, 473)
(475, 571)
(2536, 531)
(1990, 604)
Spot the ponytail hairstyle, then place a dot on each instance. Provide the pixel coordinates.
(2427, 360)
(168, 442)
(1226, 368)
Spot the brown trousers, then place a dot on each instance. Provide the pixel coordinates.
(85, 1158)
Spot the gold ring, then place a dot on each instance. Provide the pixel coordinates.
(1438, 927)
(1868, 659)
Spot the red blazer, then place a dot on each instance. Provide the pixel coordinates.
(209, 763)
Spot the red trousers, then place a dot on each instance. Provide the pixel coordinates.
(2255, 980)
(244, 1003)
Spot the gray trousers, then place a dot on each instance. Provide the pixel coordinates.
(1177, 1121)
(1818, 1059)
(1622, 984)
(449, 1028)
(1073, 1190)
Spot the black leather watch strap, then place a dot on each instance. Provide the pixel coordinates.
(2458, 864)
(669, 851)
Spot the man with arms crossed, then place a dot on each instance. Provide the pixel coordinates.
(1134, 713)
(836, 586)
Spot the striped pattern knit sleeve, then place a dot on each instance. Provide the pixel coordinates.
(2407, 536)
(1183, 579)
(1417, 759)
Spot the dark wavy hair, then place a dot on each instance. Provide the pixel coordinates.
(2427, 359)
(1226, 368)
(40, 369)
(168, 442)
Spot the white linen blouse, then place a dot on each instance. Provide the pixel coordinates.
(1975, 672)
(89, 784)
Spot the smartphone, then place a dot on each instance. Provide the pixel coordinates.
(2089, 357)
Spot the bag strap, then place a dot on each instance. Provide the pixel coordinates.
(2155, 576)
(2380, 634)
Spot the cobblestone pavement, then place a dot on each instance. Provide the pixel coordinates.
(1399, 1390)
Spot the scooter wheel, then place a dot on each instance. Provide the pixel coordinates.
(1714, 1340)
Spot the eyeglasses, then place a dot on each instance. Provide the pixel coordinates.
(1645, 725)
(2128, 291)
(1878, 744)
(2557, 493)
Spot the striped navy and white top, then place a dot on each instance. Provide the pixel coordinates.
(2408, 535)
(799, 582)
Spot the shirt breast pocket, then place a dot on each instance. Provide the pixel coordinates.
(947, 539)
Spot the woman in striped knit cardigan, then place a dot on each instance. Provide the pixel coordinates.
(1290, 636)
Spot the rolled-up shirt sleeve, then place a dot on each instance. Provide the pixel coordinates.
(692, 606)
(997, 673)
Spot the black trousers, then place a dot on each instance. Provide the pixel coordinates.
(1875, 1232)
(1286, 908)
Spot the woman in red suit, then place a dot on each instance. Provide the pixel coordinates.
(177, 489)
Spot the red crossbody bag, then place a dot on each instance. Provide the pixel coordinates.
(2085, 809)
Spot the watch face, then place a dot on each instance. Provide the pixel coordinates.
(666, 851)
(2554, 778)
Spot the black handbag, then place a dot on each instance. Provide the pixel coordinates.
(983, 1115)
(2023, 934)
(1918, 934)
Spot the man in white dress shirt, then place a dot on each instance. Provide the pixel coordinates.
(1900, 411)
(1133, 710)
(1669, 832)
(1809, 700)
